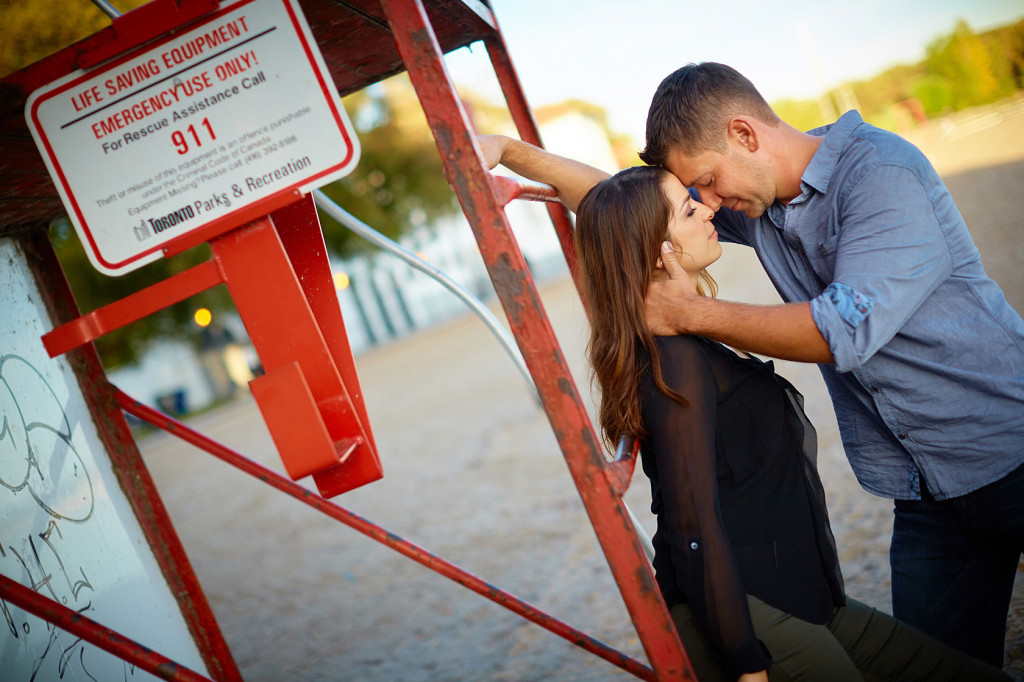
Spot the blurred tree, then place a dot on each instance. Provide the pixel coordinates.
(34, 29)
(882, 91)
(1008, 47)
(960, 69)
(964, 61)
(399, 182)
(801, 114)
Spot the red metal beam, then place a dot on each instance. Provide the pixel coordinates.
(94, 633)
(375, 532)
(132, 308)
(131, 472)
(522, 116)
(465, 170)
(278, 315)
(508, 189)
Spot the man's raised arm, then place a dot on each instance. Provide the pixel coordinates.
(785, 331)
(571, 179)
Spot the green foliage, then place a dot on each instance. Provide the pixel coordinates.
(934, 93)
(801, 114)
(965, 61)
(961, 69)
(34, 29)
(399, 182)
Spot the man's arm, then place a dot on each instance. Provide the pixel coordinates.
(785, 331)
(571, 179)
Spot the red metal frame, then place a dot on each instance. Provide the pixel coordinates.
(277, 271)
(375, 532)
(309, 395)
(94, 633)
(465, 170)
(131, 472)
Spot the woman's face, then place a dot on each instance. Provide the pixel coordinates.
(690, 229)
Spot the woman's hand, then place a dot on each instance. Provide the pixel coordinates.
(570, 178)
(492, 146)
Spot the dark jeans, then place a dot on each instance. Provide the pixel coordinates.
(954, 562)
(859, 644)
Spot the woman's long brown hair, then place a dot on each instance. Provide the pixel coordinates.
(620, 226)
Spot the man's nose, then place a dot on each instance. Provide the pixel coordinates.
(709, 198)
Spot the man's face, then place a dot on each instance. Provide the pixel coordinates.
(734, 179)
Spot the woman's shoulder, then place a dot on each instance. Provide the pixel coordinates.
(685, 355)
(684, 345)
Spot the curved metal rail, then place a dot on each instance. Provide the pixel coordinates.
(330, 207)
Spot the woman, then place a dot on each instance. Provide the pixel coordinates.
(744, 555)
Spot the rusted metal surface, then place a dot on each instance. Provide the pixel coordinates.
(465, 171)
(507, 189)
(522, 116)
(375, 532)
(131, 472)
(94, 633)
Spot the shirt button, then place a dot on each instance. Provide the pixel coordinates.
(693, 545)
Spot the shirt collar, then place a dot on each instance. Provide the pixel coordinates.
(819, 170)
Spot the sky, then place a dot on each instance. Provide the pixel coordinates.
(615, 52)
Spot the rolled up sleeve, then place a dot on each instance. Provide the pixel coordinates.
(889, 254)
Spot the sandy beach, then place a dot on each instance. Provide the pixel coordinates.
(473, 473)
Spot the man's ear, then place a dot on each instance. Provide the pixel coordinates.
(742, 132)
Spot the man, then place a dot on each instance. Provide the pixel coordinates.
(921, 353)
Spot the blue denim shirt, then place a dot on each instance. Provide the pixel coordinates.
(928, 377)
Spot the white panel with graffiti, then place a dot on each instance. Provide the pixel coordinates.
(66, 528)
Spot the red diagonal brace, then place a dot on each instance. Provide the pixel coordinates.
(131, 308)
(385, 537)
(464, 168)
(94, 633)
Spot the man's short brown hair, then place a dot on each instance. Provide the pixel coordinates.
(692, 107)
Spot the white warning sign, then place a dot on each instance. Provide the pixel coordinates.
(199, 132)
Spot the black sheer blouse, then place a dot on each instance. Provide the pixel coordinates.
(735, 487)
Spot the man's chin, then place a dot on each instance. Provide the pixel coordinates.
(753, 211)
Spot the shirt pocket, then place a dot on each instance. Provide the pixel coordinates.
(823, 258)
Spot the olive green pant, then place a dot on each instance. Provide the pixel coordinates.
(858, 644)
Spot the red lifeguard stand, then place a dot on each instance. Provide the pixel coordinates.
(310, 396)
